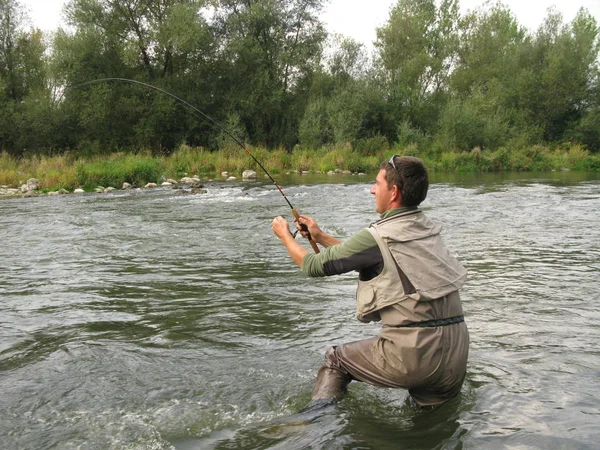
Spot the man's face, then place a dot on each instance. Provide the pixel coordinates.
(382, 192)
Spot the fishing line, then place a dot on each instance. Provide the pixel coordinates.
(219, 126)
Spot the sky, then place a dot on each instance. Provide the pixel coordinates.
(360, 18)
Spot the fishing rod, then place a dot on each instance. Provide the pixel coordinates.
(219, 126)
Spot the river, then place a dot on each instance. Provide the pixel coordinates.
(156, 319)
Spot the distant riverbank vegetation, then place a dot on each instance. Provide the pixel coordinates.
(68, 171)
(465, 92)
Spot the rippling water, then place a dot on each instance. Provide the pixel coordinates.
(159, 320)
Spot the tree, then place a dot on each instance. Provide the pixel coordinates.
(270, 48)
(23, 81)
(417, 48)
(167, 43)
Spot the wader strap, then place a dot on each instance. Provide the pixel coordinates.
(430, 323)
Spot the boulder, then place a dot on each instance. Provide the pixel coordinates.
(225, 174)
(33, 184)
(249, 175)
(78, 191)
(231, 179)
(192, 182)
(110, 189)
(126, 186)
(150, 185)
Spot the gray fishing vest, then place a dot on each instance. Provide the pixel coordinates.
(417, 265)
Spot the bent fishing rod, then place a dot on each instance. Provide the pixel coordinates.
(220, 127)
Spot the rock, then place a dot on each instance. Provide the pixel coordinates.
(346, 172)
(331, 172)
(52, 194)
(225, 174)
(338, 171)
(361, 174)
(199, 191)
(33, 184)
(192, 182)
(78, 191)
(63, 191)
(109, 189)
(249, 175)
(167, 184)
(150, 185)
(99, 190)
(231, 179)
(170, 180)
(23, 188)
(126, 186)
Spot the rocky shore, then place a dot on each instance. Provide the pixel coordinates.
(186, 185)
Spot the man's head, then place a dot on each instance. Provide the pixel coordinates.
(402, 181)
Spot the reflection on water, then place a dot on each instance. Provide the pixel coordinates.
(155, 320)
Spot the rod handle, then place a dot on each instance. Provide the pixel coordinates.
(312, 243)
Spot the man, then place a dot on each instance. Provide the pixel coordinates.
(408, 280)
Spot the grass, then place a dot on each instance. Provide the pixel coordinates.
(69, 171)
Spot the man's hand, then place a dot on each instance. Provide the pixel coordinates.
(281, 228)
(282, 231)
(306, 225)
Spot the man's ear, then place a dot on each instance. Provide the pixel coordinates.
(396, 196)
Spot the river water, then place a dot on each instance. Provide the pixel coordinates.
(159, 319)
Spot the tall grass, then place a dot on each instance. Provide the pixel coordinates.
(119, 168)
(69, 171)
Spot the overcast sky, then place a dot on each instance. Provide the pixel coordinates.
(360, 18)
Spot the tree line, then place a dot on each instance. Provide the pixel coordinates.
(437, 80)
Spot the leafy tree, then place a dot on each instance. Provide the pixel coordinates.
(417, 48)
(562, 60)
(270, 48)
(23, 88)
(167, 43)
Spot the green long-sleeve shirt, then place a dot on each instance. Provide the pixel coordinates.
(360, 252)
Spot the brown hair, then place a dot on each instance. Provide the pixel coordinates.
(410, 175)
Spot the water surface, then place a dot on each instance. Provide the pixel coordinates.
(161, 319)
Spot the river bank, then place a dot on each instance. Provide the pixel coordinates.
(69, 172)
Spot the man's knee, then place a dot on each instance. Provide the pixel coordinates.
(331, 359)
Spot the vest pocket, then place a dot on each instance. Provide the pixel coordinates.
(366, 302)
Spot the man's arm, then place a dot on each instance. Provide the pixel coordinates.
(359, 252)
(306, 223)
(282, 231)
